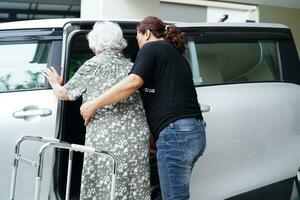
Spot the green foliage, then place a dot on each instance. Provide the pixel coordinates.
(74, 66)
(4, 80)
(34, 82)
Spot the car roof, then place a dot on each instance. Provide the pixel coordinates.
(59, 23)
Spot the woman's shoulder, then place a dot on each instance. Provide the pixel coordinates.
(155, 46)
(157, 43)
(90, 62)
(107, 56)
(111, 62)
(87, 66)
(97, 61)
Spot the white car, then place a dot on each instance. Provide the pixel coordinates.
(247, 78)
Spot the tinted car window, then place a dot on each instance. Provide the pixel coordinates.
(80, 52)
(21, 64)
(233, 62)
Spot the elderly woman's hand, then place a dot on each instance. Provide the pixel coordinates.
(52, 76)
(87, 110)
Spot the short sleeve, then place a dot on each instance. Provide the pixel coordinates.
(144, 63)
(77, 85)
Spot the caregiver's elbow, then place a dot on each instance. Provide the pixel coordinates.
(135, 82)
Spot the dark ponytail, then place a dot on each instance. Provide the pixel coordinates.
(160, 29)
(176, 37)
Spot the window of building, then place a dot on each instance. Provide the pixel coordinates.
(47, 9)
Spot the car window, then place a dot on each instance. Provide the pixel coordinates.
(80, 52)
(21, 65)
(233, 62)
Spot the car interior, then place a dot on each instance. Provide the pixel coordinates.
(73, 129)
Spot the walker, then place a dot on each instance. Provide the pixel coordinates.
(55, 143)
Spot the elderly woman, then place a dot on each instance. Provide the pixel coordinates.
(164, 77)
(120, 128)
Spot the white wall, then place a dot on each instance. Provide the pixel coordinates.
(182, 12)
(214, 10)
(286, 16)
(91, 8)
(119, 9)
(214, 14)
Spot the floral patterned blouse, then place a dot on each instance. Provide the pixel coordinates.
(119, 128)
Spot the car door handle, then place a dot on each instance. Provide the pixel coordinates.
(32, 111)
(205, 108)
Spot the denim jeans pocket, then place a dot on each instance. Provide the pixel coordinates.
(190, 144)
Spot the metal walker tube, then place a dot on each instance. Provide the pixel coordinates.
(18, 158)
(71, 148)
(55, 143)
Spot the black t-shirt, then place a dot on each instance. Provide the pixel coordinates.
(168, 92)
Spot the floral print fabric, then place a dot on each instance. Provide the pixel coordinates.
(120, 129)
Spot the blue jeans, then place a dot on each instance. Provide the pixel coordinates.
(179, 146)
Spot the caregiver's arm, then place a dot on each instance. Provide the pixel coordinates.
(115, 94)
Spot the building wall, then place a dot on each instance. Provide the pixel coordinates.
(119, 9)
(182, 12)
(206, 11)
(214, 14)
(129, 9)
(286, 16)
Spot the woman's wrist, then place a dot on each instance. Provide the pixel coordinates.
(97, 103)
(94, 105)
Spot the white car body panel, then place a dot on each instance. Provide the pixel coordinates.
(60, 23)
(244, 124)
(253, 131)
(13, 128)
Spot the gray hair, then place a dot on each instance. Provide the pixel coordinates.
(106, 35)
